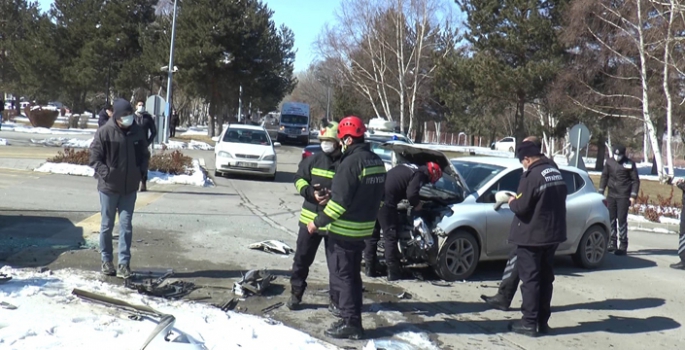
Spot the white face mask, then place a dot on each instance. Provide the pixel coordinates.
(126, 120)
(618, 157)
(328, 146)
(140, 109)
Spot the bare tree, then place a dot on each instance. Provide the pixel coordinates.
(384, 49)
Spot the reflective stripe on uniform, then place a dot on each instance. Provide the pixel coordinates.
(323, 173)
(307, 216)
(334, 210)
(374, 170)
(300, 184)
(352, 229)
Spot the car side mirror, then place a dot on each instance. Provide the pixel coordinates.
(501, 198)
(277, 144)
(215, 138)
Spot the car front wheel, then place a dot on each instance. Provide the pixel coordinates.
(458, 257)
(592, 248)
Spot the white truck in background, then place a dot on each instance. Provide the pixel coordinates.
(294, 123)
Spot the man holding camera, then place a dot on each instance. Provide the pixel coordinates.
(313, 181)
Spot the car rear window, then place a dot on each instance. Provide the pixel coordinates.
(248, 136)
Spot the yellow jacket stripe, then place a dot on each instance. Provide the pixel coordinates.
(300, 184)
(307, 216)
(374, 170)
(352, 229)
(334, 210)
(323, 173)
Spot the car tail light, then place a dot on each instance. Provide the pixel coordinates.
(306, 154)
(606, 204)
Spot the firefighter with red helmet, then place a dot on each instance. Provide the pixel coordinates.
(403, 182)
(350, 216)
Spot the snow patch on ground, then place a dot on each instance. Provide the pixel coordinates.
(198, 178)
(406, 340)
(45, 131)
(48, 316)
(197, 145)
(195, 130)
(63, 142)
(662, 219)
(4, 142)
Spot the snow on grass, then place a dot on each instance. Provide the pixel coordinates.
(63, 142)
(195, 130)
(198, 178)
(46, 131)
(662, 219)
(197, 145)
(48, 316)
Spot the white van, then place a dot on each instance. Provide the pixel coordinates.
(294, 123)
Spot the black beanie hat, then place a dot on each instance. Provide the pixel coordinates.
(528, 149)
(121, 108)
(620, 150)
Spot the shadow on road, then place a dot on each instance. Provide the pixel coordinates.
(673, 252)
(33, 240)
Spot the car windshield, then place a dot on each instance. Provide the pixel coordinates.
(294, 119)
(254, 137)
(476, 174)
(385, 154)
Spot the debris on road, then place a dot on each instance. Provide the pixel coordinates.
(254, 282)
(441, 283)
(272, 307)
(6, 305)
(120, 304)
(4, 278)
(403, 295)
(272, 246)
(157, 287)
(229, 305)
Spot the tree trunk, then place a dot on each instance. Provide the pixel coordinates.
(519, 127)
(657, 144)
(601, 151)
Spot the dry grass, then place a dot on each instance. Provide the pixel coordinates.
(202, 138)
(654, 193)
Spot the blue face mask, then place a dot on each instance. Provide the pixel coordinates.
(126, 120)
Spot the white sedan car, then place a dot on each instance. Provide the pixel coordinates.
(247, 150)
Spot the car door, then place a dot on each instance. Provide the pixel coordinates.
(499, 221)
(577, 210)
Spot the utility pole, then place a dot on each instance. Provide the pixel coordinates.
(167, 115)
(240, 104)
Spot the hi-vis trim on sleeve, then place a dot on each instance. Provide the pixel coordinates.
(519, 195)
(352, 229)
(300, 184)
(323, 173)
(374, 170)
(307, 216)
(334, 210)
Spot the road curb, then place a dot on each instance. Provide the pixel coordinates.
(652, 227)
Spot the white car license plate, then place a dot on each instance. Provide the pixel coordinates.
(246, 165)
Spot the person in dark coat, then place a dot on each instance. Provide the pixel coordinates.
(175, 121)
(147, 124)
(681, 237)
(117, 153)
(104, 115)
(510, 277)
(539, 226)
(621, 177)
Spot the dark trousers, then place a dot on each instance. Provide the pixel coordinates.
(389, 219)
(344, 268)
(535, 266)
(305, 252)
(618, 214)
(371, 244)
(172, 130)
(681, 238)
(510, 278)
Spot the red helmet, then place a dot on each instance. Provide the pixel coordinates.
(351, 126)
(434, 172)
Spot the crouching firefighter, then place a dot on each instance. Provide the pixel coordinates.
(402, 182)
(350, 215)
(313, 181)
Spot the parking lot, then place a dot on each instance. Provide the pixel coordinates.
(632, 302)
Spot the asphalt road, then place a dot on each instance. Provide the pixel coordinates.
(632, 302)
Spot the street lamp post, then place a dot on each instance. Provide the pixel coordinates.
(170, 76)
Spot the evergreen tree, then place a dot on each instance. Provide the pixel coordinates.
(516, 50)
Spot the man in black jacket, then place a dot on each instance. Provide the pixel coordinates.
(402, 182)
(681, 237)
(117, 153)
(145, 121)
(539, 226)
(313, 181)
(510, 277)
(350, 215)
(620, 175)
(104, 115)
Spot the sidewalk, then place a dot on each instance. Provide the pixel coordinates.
(656, 227)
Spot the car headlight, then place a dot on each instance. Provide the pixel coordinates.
(269, 157)
(224, 154)
(304, 129)
(281, 128)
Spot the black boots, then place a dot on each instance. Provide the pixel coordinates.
(395, 273)
(333, 309)
(497, 301)
(371, 268)
(622, 249)
(520, 328)
(295, 301)
(612, 246)
(143, 185)
(343, 329)
(678, 266)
